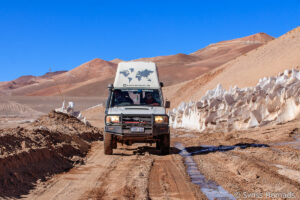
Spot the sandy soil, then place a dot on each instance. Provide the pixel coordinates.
(21, 110)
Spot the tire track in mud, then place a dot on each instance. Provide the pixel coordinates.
(268, 170)
(127, 179)
(168, 180)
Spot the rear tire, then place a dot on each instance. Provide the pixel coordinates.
(108, 144)
(165, 144)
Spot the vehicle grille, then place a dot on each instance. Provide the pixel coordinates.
(143, 121)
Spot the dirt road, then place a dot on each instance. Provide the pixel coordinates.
(260, 163)
(134, 172)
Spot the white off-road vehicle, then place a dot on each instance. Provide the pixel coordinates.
(135, 109)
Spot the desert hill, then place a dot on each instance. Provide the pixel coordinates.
(91, 78)
(23, 81)
(181, 67)
(116, 60)
(95, 69)
(267, 60)
(186, 67)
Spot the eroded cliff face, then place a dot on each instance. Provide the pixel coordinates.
(52, 144)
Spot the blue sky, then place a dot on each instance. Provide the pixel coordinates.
(37, 35)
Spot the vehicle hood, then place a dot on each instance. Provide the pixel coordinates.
(137, 110)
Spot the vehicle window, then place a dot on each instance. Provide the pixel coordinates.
(136, 97)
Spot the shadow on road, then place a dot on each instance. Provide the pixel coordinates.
(154, 151)
(193, 150)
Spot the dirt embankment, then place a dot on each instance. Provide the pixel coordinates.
(52, 144)
(259, 163)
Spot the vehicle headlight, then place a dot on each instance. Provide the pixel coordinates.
(161, 119)
(112, 119)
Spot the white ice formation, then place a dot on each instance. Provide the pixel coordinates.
(70, 111)
(273, 100)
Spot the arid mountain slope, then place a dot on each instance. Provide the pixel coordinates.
(186, 67)
(267, 60)
(28, 80)
(116, 60)
(85, 73)
(182, 67)
(91, 78)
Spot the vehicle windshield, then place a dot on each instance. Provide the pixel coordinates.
(136, 97)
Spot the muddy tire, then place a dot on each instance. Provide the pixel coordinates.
(165, 144)
(108, 144)
(114, 142)
(157, 147)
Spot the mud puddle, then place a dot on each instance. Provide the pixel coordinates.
(211, 189)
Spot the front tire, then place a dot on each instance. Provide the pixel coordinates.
(108, 140)
(114, 142)
(157, 147)
(165, 144)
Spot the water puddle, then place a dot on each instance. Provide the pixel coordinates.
(211, 189)
(208, 149)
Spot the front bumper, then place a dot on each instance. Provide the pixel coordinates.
(147, 122)
(148, 132)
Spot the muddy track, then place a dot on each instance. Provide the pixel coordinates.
(133, 172)
(126, 177)
(168, 180)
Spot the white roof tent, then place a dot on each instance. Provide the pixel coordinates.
(137, 75)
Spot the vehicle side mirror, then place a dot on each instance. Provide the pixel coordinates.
(167, 104)
(161, 84)
(110, 86)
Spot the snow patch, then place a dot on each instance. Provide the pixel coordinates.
(273, 100)
(70, 111)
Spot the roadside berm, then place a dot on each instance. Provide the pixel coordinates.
(52, 144)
